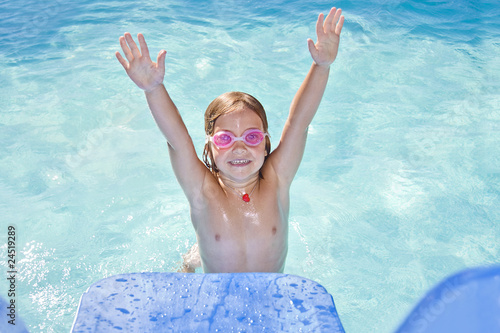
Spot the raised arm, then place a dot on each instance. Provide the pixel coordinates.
(148, 76)
(287, 156)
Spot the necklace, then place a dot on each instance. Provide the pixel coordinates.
(245, 197)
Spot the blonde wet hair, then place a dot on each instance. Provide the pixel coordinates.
(222, 105)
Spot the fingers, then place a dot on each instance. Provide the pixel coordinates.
(319, 25)
(312, 48)
(160, 61)
(334, 21)
(131, 50)
(126, 49)
(144, 46)
(333, 25)
(121, 60)
(338, 29)
(330, 19)
(132, 45)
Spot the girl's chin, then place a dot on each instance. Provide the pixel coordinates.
(240, 170)
(238, 173)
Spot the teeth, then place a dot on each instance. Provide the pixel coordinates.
(239, 161)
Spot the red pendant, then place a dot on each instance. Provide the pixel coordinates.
(246, 197)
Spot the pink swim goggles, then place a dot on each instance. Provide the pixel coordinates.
(225, 139)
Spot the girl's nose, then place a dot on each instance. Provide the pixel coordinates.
(239, 147)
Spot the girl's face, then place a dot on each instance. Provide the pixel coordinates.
(239, 162)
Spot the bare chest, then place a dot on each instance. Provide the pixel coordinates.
(231, 218)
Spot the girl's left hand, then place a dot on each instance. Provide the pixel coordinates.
(325, 50)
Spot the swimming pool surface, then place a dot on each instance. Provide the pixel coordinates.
(400, 182)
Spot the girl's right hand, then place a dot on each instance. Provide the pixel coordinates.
(145, 73)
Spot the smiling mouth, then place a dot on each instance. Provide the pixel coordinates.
(239, 162)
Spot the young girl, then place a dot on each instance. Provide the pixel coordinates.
(239, 195)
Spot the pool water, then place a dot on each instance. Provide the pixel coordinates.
(400, 182)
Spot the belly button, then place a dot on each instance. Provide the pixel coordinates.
(217, 237)
(274, 230)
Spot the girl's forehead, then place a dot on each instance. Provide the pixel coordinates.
(238, 119)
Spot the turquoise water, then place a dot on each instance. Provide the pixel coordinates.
(398, 188)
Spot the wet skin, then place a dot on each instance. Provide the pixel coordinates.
(234, 235)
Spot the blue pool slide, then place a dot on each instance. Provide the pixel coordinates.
(467, 302)
(231, 302)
